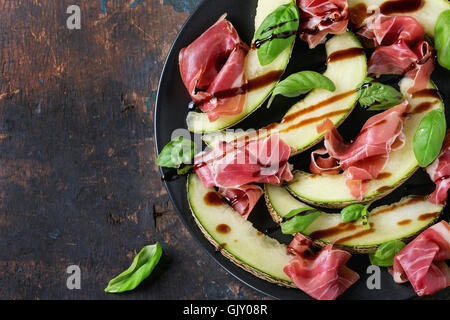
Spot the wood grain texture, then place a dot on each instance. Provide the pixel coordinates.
(78, 179)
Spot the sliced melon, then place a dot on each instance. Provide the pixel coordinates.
(331, 190)
(401, 220)
(427, 15)
(199, 122)
(236, 237)
(298, 126)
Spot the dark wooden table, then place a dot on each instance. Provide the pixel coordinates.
(78, 180)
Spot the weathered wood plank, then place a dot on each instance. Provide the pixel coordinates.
(78, 179)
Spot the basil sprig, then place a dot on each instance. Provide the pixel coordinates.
(143, 264)
(176, 153)
(376, 96)
(429, 137)
(276, 33)
(299, 220)
(356, 211)
(385, 254)
(442, 39)
(352, 212)
(301, 83)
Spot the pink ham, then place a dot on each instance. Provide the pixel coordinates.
(242, 199)
(212, 65)
(323, 276)
(422, 262)
(366, 156)
(401, 49)
(237, 163)
(321, 164)
(319, 18)
(439, 172)
(300, 246)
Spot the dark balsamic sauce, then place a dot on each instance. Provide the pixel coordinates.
(282, 35)
(356, 235)
(427, 216)
(278, 25)
(345, 54)
(427, 93)
(212, 198)
(404, 222)
(223, 228)
(251, 85)
(401, 6)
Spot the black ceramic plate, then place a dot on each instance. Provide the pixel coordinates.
(170, 114)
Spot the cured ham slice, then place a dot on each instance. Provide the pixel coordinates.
(212, 69)
(401, 49)
(323, 165)
(422, 261)
(236, 163)
(242, 199)
(300, 246)
(320, 17)
(439, 172)
(323, 276)
(366, 156)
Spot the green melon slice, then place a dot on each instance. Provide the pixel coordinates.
(243, 244)
(331, 190)
(401, 220)
(199, 122)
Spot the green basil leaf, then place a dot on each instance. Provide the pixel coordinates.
(365, 216)
(384, 256)
(299, 223)
(277, 32)
(184, 169)
(176, 152)
(377, 96)
(300, 83)
(143, 264)
(429, 137)
(352, 212)
(297, 211)
(442, 39)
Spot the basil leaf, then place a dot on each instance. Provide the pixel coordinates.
(384, 256)
(299, 223)
(376, 96)
(365, 216)
(429, 137)
(300, 83)
(276, 33)
(352, 212)
(442, 39)
(176, 152)
(297, 211)
(143, 264)
(184, 169)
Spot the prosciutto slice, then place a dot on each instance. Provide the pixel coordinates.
(237, 163)
(323, 276)
(242, 199)
(320, 17)
(422, 261)
(400, 49)
(366, 156)
(439, 172)
(212, 69)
